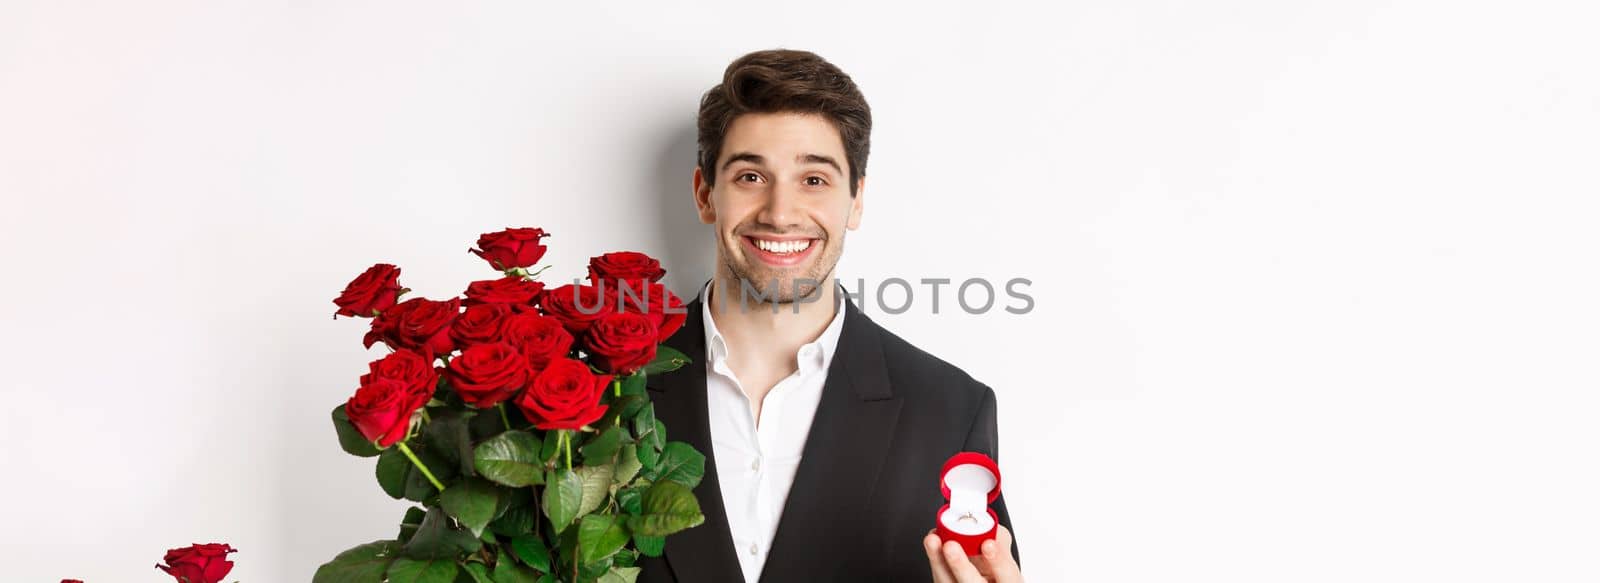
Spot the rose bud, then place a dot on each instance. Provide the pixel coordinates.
(511, 248)
(540, 339)
(487, 374)
(576, 306)
(207, 563)
(622, 342)
(416, 324)
(520, 294)
(625, 266)
(374, 290)
(480, 324)
(565, 395)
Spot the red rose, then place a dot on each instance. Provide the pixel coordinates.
(373, 291)
(207, 563)
(625, 266)
(511, 248)
(577, 306)
(480, 324)
(417, 324)
(565, 395)
(414, 370)
(71, 581)
(622, 341)
(540, 339)
(520, 294)
(381, 409)
(660, 304)
(487, 374)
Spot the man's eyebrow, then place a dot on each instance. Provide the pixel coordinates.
(755, 158)
(751, 157)
(819, 159)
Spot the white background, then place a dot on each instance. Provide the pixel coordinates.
(1315, 283)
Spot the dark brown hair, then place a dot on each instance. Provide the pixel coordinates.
(790, 81)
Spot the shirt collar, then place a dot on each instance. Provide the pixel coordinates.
(815, 355)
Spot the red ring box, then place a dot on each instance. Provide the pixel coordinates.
(966, 479)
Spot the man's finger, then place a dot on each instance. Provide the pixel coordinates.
(930, 544)
(997, 553)
(960, 566)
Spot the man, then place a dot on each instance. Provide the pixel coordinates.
(824, 433)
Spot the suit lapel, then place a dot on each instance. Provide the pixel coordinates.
(839, 464)
(705, 552)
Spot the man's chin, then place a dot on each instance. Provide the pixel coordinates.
(778, 289)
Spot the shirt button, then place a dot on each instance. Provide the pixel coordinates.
(755, 466)
(752, 548)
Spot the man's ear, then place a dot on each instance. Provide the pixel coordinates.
(702, 198)
(855, 204)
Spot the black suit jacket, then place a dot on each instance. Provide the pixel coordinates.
(867, 487)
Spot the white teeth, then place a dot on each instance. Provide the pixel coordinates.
(783, 247)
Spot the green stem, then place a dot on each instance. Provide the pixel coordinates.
(503, 417)
(566, 443)
(420, 466)
(616, 386)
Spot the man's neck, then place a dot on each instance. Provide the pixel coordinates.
(756, 332)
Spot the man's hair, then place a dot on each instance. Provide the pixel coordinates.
(787, 81)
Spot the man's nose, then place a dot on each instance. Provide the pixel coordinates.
(782, 208)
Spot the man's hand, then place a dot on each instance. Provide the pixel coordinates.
(951, 565)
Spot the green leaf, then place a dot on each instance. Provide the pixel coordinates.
(629, 405)
(363, 564)
(447, 435)
(592, 571)
(350, 438)
(648, 457)
(682, 464)
(418, 488)
(531, 550)
(651, 546)
(405, 570)
(437, 539)
(630, 500)
(517, 520)
(596, 485)
(599, 537)
(620, 575)
(479, 573)
(562, 495)
(627, 464)
(667, 359)
(471, 501)
(634, 384)
(626, 558)
(600, 449)
(508, 571)
(552, 446)
(669, 507)
(510, 459)
(411, 522)
(392, 470)
(646, 428)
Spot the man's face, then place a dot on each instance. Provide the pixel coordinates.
(781, 203)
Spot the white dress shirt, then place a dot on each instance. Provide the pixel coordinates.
(756, 462)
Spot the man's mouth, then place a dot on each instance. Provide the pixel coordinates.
(781, 252)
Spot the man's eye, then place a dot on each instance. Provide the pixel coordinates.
(751, 174)
(815, 181)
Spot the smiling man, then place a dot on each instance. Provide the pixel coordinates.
(824, 433)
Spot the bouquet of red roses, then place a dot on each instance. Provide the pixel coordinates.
(517, 417)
